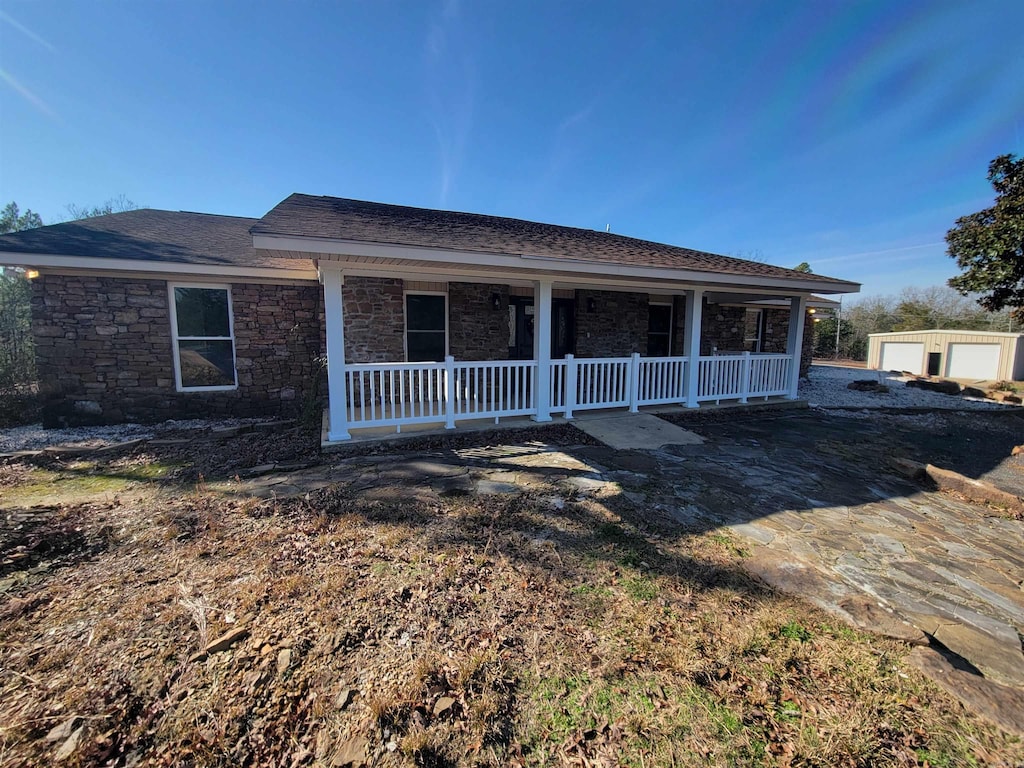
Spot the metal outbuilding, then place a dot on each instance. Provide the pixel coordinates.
(978, 355)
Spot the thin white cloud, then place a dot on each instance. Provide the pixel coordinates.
(451, 91)
(865, 255)
(26, 94)
(6, 17)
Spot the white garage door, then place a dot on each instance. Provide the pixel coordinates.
(973, 361)
(903, 356)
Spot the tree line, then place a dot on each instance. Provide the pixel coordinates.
(988, 294)
(913, 309)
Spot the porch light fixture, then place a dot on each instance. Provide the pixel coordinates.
(591, 305)
(811, 311)
(496, 300)
(31, 274)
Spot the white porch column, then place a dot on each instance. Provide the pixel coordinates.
(337, 396)
(795, 343)
(542, 349)
(691, 343)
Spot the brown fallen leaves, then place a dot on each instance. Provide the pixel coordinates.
(436, 631)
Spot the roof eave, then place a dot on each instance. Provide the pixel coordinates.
(155, 266)
(312, 247)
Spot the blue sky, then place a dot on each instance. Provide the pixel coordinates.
(846, 134)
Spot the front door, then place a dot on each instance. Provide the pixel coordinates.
(563, 328)
(520, 325)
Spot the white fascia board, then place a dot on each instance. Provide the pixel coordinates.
(561, 281)
(952, 330)
(99, 264)
(344, 248)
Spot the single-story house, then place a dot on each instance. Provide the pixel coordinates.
(422, 316)
(978, 355)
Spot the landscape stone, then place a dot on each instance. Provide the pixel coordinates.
(942, 386)
(70, 745)
(1000, 704)
(64, 730)
(868, 385)
(226, 640)
(999, 659)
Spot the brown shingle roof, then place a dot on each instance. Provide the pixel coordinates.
(152, 235)
(343, 219)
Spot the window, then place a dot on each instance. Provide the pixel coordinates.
(659, 330)
(203, 337)
(426, 321)
(753, 330)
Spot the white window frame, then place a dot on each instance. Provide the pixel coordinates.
(405, 319)
(175, 338)
(671, 320)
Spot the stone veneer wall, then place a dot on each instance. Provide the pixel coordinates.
(374, 309)
(722, 327)
(617, 327)
(104, 355)
(476, 330)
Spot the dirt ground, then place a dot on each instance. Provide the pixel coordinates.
(534, 617)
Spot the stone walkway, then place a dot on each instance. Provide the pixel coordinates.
(812, 500)
(822, 515)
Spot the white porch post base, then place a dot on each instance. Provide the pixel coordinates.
(542, 349)
(691, 344)
(571, 379)
(795, 342)
(337, 395)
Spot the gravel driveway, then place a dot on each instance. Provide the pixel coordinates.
(826, 388)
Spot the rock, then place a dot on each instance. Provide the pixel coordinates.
(869, 615)
(262, 469)
(942, 386)
(284, 660)
(226, 640)
(915, 470)
(344, 698)
(351, 754)
(1000, 704)
(975, 490)
(973, 392)
(64, 730)
(443, 706)
(67, 749)
(868, 385)
(492, 488)
(124, 446)
(1017, 450)
(998, 658)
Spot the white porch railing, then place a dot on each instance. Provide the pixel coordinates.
(397, 394)
(732, 377)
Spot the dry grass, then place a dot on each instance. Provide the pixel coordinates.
(454, 631)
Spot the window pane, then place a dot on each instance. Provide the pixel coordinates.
(426, 346)
(657, 345)
(202, 311)
(206, 363)
(424, 313)
(660, 318)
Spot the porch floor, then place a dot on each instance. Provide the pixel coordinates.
(373, 435)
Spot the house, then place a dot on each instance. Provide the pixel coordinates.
(425, 316)
(977, 355)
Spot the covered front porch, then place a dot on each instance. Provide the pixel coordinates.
(693, 367)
